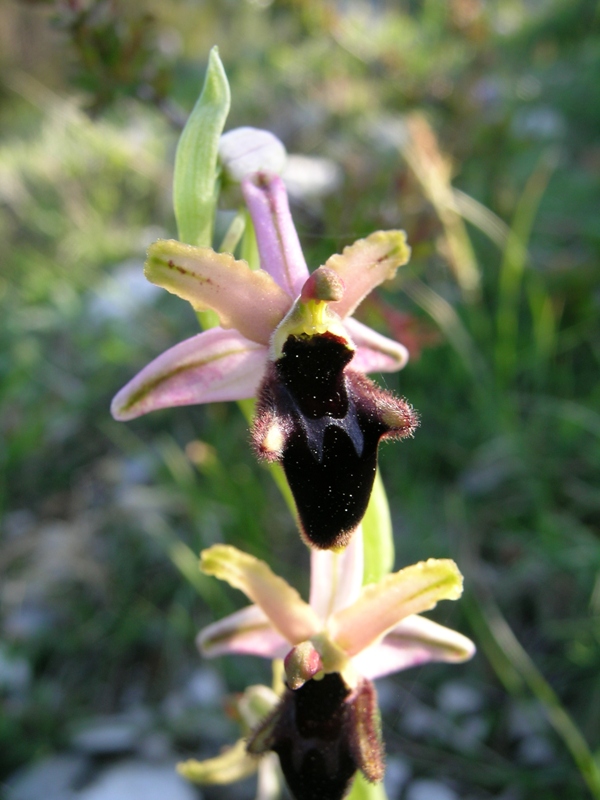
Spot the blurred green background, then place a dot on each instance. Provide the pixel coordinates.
(473, 125)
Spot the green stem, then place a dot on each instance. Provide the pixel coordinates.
(378, 538)
(363, 790)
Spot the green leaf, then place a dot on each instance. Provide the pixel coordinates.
(196, 178)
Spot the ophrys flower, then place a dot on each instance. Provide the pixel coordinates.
(326, 724)
(288, 337)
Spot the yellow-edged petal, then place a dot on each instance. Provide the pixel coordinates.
(233, 764)
(381, 606)
(365, 264)
(294, 619)
(245, 299)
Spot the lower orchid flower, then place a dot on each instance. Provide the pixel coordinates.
(235, 763)
(326, 725)
(289, 338)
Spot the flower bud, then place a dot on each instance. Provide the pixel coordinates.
(246, 151)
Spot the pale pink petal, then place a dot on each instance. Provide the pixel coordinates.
(336, 577)
(212, 366)
(289, 614)
(374, 352)
(246, 632)
(381, 606)
(416, 640)
(278, 244)
(365, 264)
(248, 300)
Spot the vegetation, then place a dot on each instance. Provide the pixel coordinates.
(473, 126)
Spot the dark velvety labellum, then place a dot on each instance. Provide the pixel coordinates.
(331, 421)
(332, 494)
(322, 733)
(312, 369)
(330, 461)
(311, 738)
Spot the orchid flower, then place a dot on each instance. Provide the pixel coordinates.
(228, 362)
(290, 338)
(326, 725)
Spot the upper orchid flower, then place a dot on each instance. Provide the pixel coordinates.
(228, 362)
(317, 413)
(326, 724)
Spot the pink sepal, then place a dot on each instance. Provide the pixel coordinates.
(246, 632)
(215, 365)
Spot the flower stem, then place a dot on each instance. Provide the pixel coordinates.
(363, 790)
(378, 535)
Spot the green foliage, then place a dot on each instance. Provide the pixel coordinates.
(116, 51)
(196, 178)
